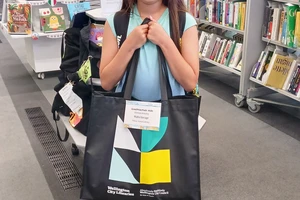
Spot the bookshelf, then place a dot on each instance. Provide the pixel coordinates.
(257, 90)
(252, 46)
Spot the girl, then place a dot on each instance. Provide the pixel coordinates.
(182, 60)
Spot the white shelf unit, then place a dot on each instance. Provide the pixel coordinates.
(42, 53)
(257, 90)
(252, 46)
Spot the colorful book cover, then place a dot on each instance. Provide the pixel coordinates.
(52, 19)
(19, 18)
(279, 71)
(75, 8)
(96, 34)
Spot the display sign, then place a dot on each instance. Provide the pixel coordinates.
(110, 6)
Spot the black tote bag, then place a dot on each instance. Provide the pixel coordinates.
(131, 164)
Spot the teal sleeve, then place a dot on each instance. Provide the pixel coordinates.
(110, 20)
(190, 21)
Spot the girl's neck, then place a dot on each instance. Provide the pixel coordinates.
(154, 9)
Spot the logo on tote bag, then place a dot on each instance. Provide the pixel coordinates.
(130, 164)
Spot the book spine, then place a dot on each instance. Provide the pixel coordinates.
(266, 22)
(294, 86)
(221, 51)
(283, 36)
(292, 83)
(291, 22)
(221, 12)
(215, 51)
(236, 15)
(231, 14)
(280, 25)
(226, 51)
(215, 4)
(210, 13)
(275, 27)
(243, 16)
(257, 65)
(231, 51)
(297, 31)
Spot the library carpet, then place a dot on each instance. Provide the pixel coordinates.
(243, 156)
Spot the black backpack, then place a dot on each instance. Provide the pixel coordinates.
(71, 48)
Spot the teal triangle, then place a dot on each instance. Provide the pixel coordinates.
(119, 171)
(151, 138)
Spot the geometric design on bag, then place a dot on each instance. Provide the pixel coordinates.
(150, 166)
(124, 138)
(132, 160)
(151, 138)
(119, 171)
(155, 167)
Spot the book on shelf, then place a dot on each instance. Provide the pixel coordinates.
(227, 13)
(278, 69)
(261, 66)
(227, 52)
(52, 19)
(193, 7)
(236, 57)
(297, 31)
(282, 23)
(239, 66)
(19, 18)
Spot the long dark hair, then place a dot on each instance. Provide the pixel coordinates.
(174, 6)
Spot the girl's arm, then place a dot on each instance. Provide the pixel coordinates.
(185, 65)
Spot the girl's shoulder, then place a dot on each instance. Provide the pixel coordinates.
(189, 21)
(110, 21)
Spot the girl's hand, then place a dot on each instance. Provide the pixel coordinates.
(138, 37)
(156, 33)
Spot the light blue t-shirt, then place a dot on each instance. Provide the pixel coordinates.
(147, 84)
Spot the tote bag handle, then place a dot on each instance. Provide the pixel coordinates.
(163, 76)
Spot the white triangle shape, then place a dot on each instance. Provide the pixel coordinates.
(124, 138)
